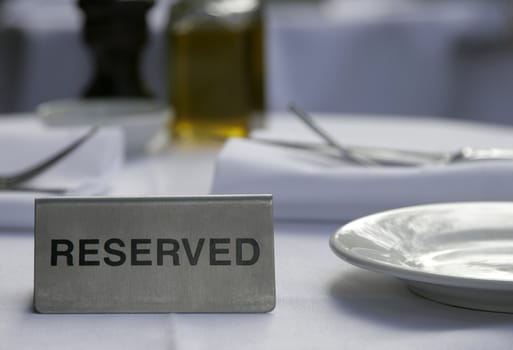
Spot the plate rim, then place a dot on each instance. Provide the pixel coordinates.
(56, 112)
(409, 273)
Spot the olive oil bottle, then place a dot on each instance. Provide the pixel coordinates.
(216, 67)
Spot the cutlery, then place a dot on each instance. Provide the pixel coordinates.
(12, 182)
(345, 153)
(55, 191)
(386, 157)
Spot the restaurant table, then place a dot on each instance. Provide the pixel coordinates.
(446, 58)
(322, 302)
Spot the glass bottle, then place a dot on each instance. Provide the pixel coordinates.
(216, 67)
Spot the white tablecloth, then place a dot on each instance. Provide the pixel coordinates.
(322, 302)
(371, 56)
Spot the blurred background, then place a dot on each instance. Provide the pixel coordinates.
(448, 58)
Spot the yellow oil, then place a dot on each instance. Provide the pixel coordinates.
(216, 75)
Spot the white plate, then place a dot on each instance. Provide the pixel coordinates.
(140, 119)
(455, 253)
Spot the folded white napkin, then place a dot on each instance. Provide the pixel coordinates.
(307, 186)
(25, 142)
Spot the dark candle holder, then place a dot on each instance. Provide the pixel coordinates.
(115, 31)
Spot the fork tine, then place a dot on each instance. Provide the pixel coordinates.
(10, 181)
(55, 191)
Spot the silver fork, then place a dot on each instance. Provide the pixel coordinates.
(13, 181)
(384, 156)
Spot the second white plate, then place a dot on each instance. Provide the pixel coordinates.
(140, 119)
(456, 253)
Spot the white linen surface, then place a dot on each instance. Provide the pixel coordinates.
(322, 303)
(308, 186)
(24, 142)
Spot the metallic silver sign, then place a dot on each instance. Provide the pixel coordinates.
(155, 254)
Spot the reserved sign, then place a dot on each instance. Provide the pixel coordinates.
(155, 254)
